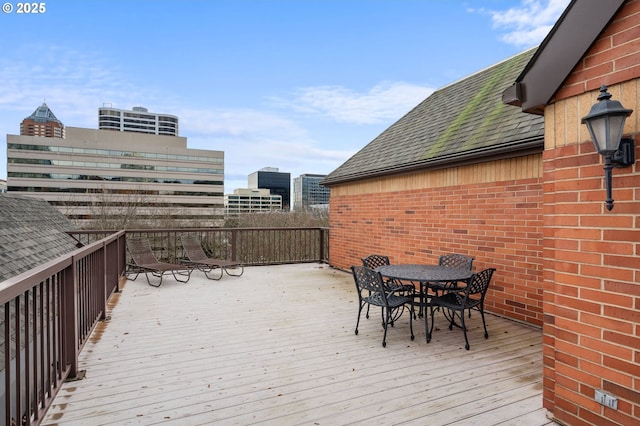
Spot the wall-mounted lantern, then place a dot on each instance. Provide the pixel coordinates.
(605, 122)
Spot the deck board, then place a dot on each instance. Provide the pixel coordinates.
(277, 347)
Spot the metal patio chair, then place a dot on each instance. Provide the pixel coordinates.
(374, 261)
(467, 298)
(372, 291)
(453, 260)
(145, 262)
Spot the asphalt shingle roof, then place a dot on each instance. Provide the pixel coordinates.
(32, 232)
(464, 119)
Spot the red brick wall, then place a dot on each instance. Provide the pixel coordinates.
(592, 256)
(592, 291)
(499, 224)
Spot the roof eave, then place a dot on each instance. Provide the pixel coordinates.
(513, 149)
(575, 31)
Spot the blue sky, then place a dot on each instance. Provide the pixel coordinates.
(300, 85)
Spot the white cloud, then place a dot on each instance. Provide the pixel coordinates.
(218, 122)
(74, 84)
(528, 24)
(382, 102)
(253, 139)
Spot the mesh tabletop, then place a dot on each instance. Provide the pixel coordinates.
(424, 273)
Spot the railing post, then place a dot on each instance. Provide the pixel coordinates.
(321, 248)
(234, 244)
(105, 283)
(122, 256)
(70, 313)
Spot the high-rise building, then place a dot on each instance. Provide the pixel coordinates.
(92, 175)
(138, 120)
(307, 192)
(247, 200)
(42, 123)
(279, 183)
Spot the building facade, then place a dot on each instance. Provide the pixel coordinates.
(308, 193)
(248, 200)
(279, 183)
(565, 262)
(42, 123)
(138, 120)
(94, 176)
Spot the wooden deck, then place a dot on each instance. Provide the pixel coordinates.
(277, 347)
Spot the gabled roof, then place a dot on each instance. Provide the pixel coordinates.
(32, 232)
(460, 123)
(43, 114)
(575, 31)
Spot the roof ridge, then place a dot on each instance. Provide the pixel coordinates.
(510, 58)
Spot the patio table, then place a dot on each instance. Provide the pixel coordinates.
(428, 277)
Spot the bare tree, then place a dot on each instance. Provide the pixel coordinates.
(293, 219)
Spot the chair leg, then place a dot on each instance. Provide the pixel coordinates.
(385, 326)
(486, 334)
(214, 276)
(396, 314)
(426, 324)
(464, 330)
(425, 316)
(361, 305)
(412, 312)
(368, 306)
(234, 271)
(176, 273)
(146, 274)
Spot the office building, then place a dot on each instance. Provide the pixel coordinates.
(93, 176)
(247, 200)
(308, 193)
(277, 182)
(42, 123)
(138, 120)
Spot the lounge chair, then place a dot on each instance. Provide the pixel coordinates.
(144, 261)
(197, 258)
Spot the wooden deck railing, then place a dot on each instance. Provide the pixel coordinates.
(251, 246)
(48, 313)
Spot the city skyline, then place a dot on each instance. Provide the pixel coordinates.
(297, 85)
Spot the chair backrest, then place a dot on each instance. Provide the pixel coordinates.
(479, 283)
(140, 250)
(369, 280)
(456, 261)
(375, 260)
(192, 246)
